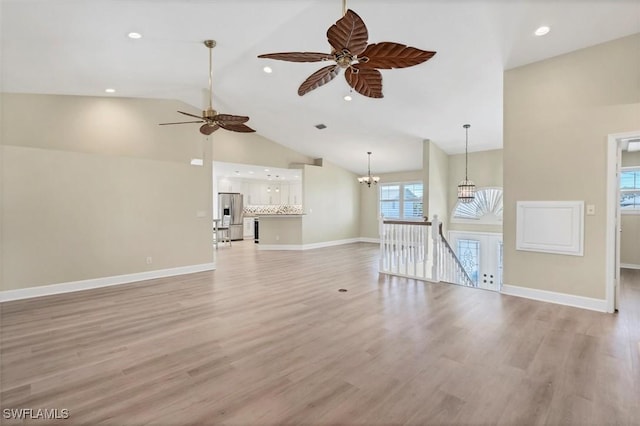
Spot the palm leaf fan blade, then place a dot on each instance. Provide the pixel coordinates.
(388, 55)
(207, 129)
(230, 119)
(350, 33)
(318, 78)
(190, 115)
(242, 128)
(366, 81)
(181, 122)
(298, 56)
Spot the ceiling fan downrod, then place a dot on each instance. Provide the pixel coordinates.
(210, 111)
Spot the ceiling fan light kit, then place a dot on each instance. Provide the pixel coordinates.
(210, 117)
(351, 52)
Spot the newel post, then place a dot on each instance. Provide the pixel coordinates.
(435, 233)
(381, 236)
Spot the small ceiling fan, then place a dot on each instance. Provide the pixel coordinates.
(361, 61)
(210, 117)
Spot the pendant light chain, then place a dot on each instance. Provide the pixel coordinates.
(466, 152)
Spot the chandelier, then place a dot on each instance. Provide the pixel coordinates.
(369, 179)
(466, 188)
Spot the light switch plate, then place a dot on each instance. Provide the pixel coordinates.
(591, 209)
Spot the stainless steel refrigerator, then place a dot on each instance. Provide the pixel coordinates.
(230, 203)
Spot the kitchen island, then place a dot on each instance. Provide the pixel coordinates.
(280, 231)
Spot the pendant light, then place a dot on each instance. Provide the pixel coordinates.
(466, 188)
(369, 179)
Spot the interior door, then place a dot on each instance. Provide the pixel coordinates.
(481, 255)
(618, 230)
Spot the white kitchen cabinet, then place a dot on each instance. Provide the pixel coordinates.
(254, 193)
(295, 193)
(284, 193)
(229, 185)
(247, 226)
(274, 198)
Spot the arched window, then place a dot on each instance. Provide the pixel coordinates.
(485, 209)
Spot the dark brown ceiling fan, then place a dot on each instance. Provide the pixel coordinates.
(361, 61)
(210, 117)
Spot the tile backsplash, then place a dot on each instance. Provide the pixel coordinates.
(273, 209)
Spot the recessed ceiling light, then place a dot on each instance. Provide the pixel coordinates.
(320, 126)
(237, 172)
(348, 98)
(134, 35)
(197, 162)
(542, 31)
(110, 90)
(266, 170)
(268, 70)
(250, 172)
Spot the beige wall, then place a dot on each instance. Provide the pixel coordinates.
(251, 148)
(93, 186)
(438, 184)
(331, 203)
(557, 115)
(369, 200)
(485, 170)
(630, 223)
(280, 230)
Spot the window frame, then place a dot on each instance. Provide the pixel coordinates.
(635, 210)
(401, 200)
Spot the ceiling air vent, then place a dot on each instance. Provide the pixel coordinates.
(320, 126)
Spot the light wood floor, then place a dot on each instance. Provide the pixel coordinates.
(267, 339)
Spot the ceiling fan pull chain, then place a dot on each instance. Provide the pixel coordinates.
(344, 7)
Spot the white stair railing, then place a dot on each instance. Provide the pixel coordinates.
(419, 250)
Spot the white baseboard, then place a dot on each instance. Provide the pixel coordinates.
(264, 247)
(369, 240)
(315, 245)
(629, 266)
(47, 290)
(599, 305)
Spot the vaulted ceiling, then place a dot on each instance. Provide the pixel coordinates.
(80, 47)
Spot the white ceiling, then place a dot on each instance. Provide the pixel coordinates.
(80, 47)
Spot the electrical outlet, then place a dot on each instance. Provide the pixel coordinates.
(149, 260)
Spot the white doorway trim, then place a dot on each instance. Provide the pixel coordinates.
(612, 248)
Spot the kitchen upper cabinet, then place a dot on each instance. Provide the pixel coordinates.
(273, 189)
(258, 192)
(229, 185)
(295, 193)
(284, 193)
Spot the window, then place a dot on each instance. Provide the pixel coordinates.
(486, 208)
(630, 190)
(469, 255)
(401, 200)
